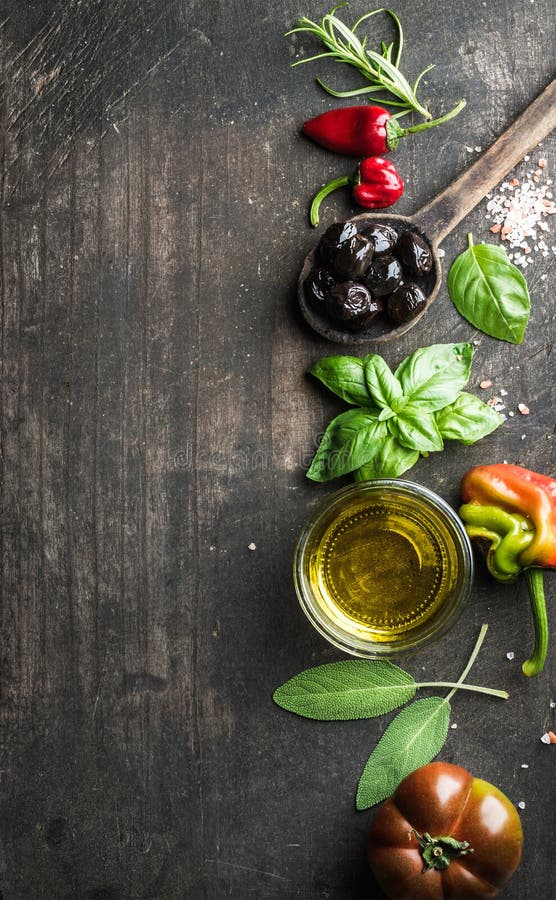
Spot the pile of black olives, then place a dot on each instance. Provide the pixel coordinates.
(361, 274)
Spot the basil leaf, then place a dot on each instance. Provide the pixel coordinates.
(383, 385)
(344, 376)
(490, 292)
(350, 689)
(416, 429)
(434, 376)
(348, 443)
(390, 460)
(411, 740)
(468, 419)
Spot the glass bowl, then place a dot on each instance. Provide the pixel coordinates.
(383, 567)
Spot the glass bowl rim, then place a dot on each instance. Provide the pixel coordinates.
(379, 650)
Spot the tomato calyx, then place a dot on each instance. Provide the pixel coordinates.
(439, 852)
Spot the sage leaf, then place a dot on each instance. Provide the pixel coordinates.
(411, 740)
(467, 420)
(390, 460)
(432, 377)
(490, 292)
(383, 385)
(350, 689)
(417, 430)
(345, 377)
(348, 443)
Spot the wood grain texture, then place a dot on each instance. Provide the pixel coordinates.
(156, 421)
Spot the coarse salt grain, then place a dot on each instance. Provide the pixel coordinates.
(524, 410)
(252, 546)
(510, 654)
(518, 211)
(545, 738)
(454, 725)
(524, 765)
(521, 804)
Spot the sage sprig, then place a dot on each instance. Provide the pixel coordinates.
(399, 415)
(362, 689)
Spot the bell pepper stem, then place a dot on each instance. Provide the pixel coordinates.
(534, 665)
(327, 189)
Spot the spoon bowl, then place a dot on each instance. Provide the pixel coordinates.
(437, 219)
(379, 330)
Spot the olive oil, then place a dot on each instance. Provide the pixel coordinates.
(381, 566)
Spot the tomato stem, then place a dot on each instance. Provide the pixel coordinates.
(439, 852)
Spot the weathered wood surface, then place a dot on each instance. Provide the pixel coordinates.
(156, 421)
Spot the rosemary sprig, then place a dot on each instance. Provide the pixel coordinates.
(381, 69)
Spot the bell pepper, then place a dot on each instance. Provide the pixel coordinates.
(511, 513)
(376, 184)
(364, 130)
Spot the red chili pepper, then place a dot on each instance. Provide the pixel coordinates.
(376, 184)
(364, 130)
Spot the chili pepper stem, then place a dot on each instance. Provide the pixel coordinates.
(395, 131)
(534, 665)
(327, 189)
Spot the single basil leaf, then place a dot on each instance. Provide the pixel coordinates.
(344, 376)
(391, 460)
(383, 385)
(411, 740)
(350, 689)
(490, 292)
(468, 419)
(434, 376)
(348, 442)
(416, 429)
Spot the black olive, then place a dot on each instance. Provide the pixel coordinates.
(317, 284)
(353, 257)
(383, 275)
(414, 253)
(333, 238)
(353, 305)
(382, 237)
(405, 303)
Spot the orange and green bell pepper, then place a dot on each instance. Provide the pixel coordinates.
(511, 513)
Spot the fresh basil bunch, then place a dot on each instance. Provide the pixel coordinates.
(398, 416)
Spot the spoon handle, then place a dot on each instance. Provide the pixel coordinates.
(448, 208)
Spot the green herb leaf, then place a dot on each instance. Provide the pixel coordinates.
(490, 292)
(348, 443)
(432, 377)
(417, 430)
(383, 385)
(344, 376)
(411, 740)
(390, 460)
(351, 689)
(467, 420)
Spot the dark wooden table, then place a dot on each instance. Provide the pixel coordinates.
(157, 421)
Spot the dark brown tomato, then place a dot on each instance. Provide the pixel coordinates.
(443, 800)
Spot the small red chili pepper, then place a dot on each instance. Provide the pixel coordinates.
(364, 130)
(376, 184)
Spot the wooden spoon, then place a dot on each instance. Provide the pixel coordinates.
(437, 219)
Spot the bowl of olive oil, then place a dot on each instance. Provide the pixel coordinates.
(383, 567)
